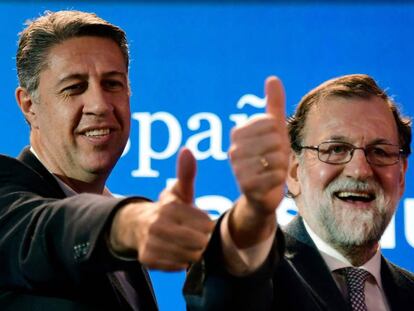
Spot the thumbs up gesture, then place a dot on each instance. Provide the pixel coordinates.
(259, 155)
(167, 234)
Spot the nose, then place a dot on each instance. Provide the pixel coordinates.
(97, 101)
(358, 167)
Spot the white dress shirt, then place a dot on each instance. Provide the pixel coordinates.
(132, 295)
(374, 293)
(244, 261)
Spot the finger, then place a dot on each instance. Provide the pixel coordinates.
(186, 171)
(185, 238)
(270, 192)
(275, 94)
(262, 183)
(160, 250)
(257, 125)
(247, 168)
(264, 144)
(166, 265)
(187, 215)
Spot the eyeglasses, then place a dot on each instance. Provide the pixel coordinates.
(334, 152)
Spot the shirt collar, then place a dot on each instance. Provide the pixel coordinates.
(335, 260)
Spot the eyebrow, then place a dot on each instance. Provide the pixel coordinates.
(337, 138)
(373, 142)
(80, 76)
(70, 77)
(115, 73)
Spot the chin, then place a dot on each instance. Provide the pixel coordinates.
(100, 166)
(356, 229)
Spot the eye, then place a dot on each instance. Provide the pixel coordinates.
(75, 89)
(377, 151)
(384, 151)
(113, 85)
(335, 148)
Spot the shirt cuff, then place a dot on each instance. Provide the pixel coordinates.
(241, 262)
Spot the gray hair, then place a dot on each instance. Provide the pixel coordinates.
(349, 86)
(52, 28)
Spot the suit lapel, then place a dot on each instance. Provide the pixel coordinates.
(29, 159)
(302, 253)
(133, 289)
(147, 284)
(398, 285)
(140, 278)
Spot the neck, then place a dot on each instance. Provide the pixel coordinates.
(93, 183)
(81, 186)
(358, 255)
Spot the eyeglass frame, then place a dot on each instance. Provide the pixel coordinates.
(351, 152)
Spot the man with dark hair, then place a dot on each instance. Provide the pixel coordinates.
(346, 174)
(65, 242)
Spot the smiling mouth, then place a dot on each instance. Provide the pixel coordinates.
(350, 196)
(97, 132)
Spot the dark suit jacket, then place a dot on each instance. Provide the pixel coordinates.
(53, 252)
(299, 280)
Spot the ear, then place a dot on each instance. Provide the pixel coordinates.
(26, 104)
(403, 171)
(292, 176)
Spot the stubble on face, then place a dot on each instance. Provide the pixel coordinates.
(348, 227)
(83, 114)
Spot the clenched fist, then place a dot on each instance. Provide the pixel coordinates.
(167, 234)
(259, 155)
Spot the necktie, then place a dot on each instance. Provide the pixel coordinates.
(355, 279)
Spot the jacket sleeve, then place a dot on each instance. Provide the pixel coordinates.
(209, 286)
(51, 243)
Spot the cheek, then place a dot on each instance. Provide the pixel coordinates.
(49, 118)
(391, 181)
(123, 112)
(318, 175)
(125, 116)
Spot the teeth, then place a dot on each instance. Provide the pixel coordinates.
(100, 132)
(346, 194)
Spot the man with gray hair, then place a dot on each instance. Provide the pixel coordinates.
(346, 173)
(65, 242)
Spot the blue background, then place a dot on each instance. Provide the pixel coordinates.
(192, 57)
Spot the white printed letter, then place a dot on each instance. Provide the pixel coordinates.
(214, 134)
(145, 151)
(409, 220)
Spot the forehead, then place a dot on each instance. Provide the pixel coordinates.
(355, 120)
(84, 55)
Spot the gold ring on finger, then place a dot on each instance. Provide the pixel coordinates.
(264, 162)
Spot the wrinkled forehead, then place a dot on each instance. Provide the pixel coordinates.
(354, 118)
(85, 56)
(93, 46)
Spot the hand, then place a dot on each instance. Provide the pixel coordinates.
(260, 149)
(168, 234)
(259, 155)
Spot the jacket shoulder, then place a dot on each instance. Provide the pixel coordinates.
(16, 175)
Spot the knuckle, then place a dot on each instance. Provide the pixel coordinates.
(235, 152)
(145, 258)
(164, 210)
(277, 177)
(195, 256)
(235, 133)
(250, 188)
(155, 228)
(204, 240)
(231, 152)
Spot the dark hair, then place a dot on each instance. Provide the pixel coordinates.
(349, 86)
(52, 28)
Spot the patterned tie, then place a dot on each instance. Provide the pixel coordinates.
(355, 279)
